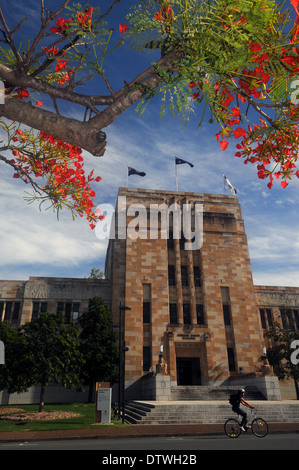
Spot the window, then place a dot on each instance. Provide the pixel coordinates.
(1, 310)
(146, 358)
(146, 312)
(231, 360)
(186, 314)
(15, 312)
(184, 274)
(196, 276)
(76, 309)
(8, 308)
(226, 314)
(173, 318)
(37, 308)
(71, 311)
(200, 315)
(266, 318)
(147, 294)
(170, 243)
(182, 241)
(60, 307)
(283, 319)
(289, 318)
(269, 317)
(68, 311)
(226, 305)
(171, 276)
(263, 318)
(11, 311)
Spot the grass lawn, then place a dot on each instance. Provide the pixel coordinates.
(87, 410)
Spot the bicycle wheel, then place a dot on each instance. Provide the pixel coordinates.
(259, 427)
(232, 428)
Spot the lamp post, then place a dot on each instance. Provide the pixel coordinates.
(121, 351)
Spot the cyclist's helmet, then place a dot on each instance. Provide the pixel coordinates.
(241, 391)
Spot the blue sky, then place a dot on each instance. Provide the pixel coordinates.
(34, 243)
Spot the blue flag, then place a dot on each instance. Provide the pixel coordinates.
(132, 171)
(180, 161)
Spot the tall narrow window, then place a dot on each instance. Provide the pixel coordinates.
(200, 314)
(263, 318)
(226, 305)
(226, 314)
(147, 302)
(269, 318)
(76, 310)
(184, 273)
(283, 318)
(196, 276)
(171, 275)
(146, 312)
(8, 308)
(173, 318)
(1, 310)
(170, 242)
(68, 312)
(186, 314)
(231, 359)
(16, 312)
(146, 358)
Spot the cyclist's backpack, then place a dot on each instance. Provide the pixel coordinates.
(233, 399)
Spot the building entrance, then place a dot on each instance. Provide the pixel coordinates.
(188, 371)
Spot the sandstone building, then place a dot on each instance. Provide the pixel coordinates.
(184, 299)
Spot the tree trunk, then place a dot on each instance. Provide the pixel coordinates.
(42, 398)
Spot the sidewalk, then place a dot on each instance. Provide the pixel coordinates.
(109, 431)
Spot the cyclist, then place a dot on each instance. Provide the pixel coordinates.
(236, 401)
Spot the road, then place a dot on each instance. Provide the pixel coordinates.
(170, 445)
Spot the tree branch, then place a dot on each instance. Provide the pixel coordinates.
(87, 135)
(22, 174)
(24, 81)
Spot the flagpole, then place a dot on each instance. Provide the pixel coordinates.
(127, 175)
(176, 174)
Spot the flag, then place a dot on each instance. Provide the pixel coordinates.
(132, 171)
(180, 161)
(226, 181)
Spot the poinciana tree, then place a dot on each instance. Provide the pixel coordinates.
(237, 60)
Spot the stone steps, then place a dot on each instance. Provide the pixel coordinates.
(205, 412)
(210, 393)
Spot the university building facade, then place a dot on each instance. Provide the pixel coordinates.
(183, 301)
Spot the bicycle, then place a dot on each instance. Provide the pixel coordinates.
(259, 426)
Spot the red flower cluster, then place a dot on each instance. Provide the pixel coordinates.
(62, 73)
(67, 176)
(82, 21)
(166, 17)
(61, 164)
(62, 26)
(278, 147)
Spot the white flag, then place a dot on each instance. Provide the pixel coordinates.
(226, 181)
